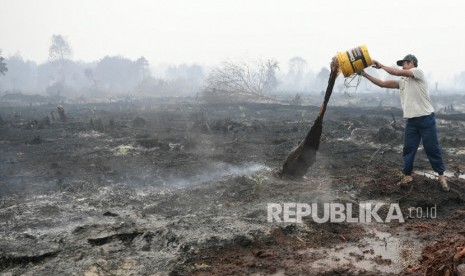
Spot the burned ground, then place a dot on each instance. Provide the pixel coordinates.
(179, 187)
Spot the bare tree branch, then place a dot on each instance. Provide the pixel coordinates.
(244, 79)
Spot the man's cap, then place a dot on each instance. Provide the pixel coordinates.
(408, 57)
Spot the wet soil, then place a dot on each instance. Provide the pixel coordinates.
(180, 187)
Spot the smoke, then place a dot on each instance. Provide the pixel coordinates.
(218, 171)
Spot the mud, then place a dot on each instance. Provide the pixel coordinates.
(180, 187)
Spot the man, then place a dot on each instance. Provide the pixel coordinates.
(419, 113)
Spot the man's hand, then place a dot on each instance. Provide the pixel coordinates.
(377, 64)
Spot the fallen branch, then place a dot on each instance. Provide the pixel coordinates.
(460, 212)
(459, 255)
(374, 154)
(448, 180)
(423, 226)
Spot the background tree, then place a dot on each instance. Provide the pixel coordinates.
(297, 66)
(21, 74)
(89, 73)
(58, 53)
(295, 79)
(271, 82)
(59, 49)
(119, 74)
(3, 67)
(143, 64)
(323, 77)
(184, 79)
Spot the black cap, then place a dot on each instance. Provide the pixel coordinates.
(408, 57)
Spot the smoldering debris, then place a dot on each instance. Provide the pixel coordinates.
(61, 113)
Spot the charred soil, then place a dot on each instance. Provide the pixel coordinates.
(179, 187)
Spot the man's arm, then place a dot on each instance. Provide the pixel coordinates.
(381, 83)
(392, 70)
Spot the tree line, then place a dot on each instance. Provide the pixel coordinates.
(109, 76)
(62, 76)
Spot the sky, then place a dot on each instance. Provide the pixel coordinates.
(208, 32)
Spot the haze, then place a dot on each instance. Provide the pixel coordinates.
(207, 32)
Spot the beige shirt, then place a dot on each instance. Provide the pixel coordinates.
(414, 95)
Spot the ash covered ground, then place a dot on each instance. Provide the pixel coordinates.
(181, 187)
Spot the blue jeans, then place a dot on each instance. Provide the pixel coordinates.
(422, 128)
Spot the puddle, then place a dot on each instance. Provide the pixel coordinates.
(460, 152)
(89, 134)
(433, 175)
(455, 151)
(383, 252)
